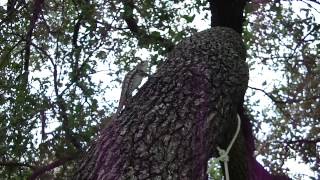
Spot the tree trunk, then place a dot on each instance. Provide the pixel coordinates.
(173, 125)
(227, 13)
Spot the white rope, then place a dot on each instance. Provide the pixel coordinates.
(224, 157)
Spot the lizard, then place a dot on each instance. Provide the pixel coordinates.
(131, 81)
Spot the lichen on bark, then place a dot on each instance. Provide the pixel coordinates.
(165, 131)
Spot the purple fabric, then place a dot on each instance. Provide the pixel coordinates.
(256, 170)
(259, 173)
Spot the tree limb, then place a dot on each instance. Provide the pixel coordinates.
(50, 166)
(140, 33)
(63, 111)
(15, 164)
(37, 7)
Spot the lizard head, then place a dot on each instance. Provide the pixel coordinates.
(143, 66)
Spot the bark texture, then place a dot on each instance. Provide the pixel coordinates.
(173, 125)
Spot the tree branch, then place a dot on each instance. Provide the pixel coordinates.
(15, 164)
(314, 1)
(140, 33)
(50, 166)
(274, 99)
(37, 7)
(63, 111)
(303, 141)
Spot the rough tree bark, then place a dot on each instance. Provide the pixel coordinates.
(242, 164)
(173, 125)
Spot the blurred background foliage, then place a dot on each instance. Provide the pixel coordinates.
(61, 62)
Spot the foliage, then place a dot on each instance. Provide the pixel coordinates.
(51, 53)
(214, 170)
(286, 41)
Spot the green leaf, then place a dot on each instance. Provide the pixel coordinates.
(189, 19)
(156, 34)
(264, 83)
(5, 57)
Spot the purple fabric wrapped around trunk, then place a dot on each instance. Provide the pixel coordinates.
(256, 170)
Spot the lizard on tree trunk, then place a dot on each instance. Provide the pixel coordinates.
(131, 81)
